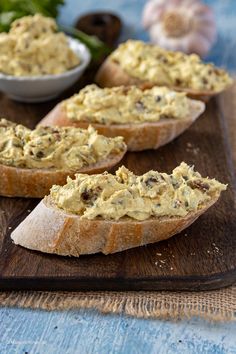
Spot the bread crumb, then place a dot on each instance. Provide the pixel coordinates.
(191, 148)
(196, 151)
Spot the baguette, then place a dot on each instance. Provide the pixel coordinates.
(36, 183)
(111, 213)
(146, 65)
(25, 166)
(111, 74)
(138, 137)
(51, 230)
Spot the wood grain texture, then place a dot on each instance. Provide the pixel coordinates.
(201, 257)
(228, 110)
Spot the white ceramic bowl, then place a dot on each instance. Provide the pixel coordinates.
(45, 87)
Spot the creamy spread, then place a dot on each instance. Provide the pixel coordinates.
(153, 194)
(64, 148)
(120, 105)
(152, 63)
(33, 47)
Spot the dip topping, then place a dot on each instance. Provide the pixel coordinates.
(120, 105)
(64, 148)
(175, 69)
(33, 47)
(153, 194)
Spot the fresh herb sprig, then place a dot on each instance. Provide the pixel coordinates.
(96, 46)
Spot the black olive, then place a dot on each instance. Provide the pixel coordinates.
(150, 181)
(39, 154)
(85, 195)
(199, 185)
(178, 82)
(90, 195)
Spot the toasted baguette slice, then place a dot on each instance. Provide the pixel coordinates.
(111, 74)
(137, 136)
(51, 230)
(36, 183)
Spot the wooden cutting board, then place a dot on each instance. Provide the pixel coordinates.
(201, 257)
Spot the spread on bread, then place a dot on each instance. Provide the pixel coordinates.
(153, 194)
(33, 47)
(175, 69)
(120, 105)
(64, 148)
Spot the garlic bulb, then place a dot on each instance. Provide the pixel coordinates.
(185, 25)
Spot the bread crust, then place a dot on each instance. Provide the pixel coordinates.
(36, 183)
(51, 230)
(111, 74)
(138, 137)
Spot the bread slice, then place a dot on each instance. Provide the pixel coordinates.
(111, 74)
(137, 136)
(51, 230)
(36, 183)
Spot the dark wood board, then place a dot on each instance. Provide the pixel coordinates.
(201, 257)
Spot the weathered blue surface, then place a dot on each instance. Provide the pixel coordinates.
(31, 331)
(82, 332)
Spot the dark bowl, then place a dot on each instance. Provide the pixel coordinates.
(106, 26)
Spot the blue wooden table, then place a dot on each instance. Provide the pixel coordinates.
(87, 331)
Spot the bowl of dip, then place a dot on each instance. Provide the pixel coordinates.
(45, 87)
(37, 62)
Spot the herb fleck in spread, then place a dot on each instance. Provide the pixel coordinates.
(33, 47)
(152, 63)
(121, 105)
(153, 194)
(52, 147)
